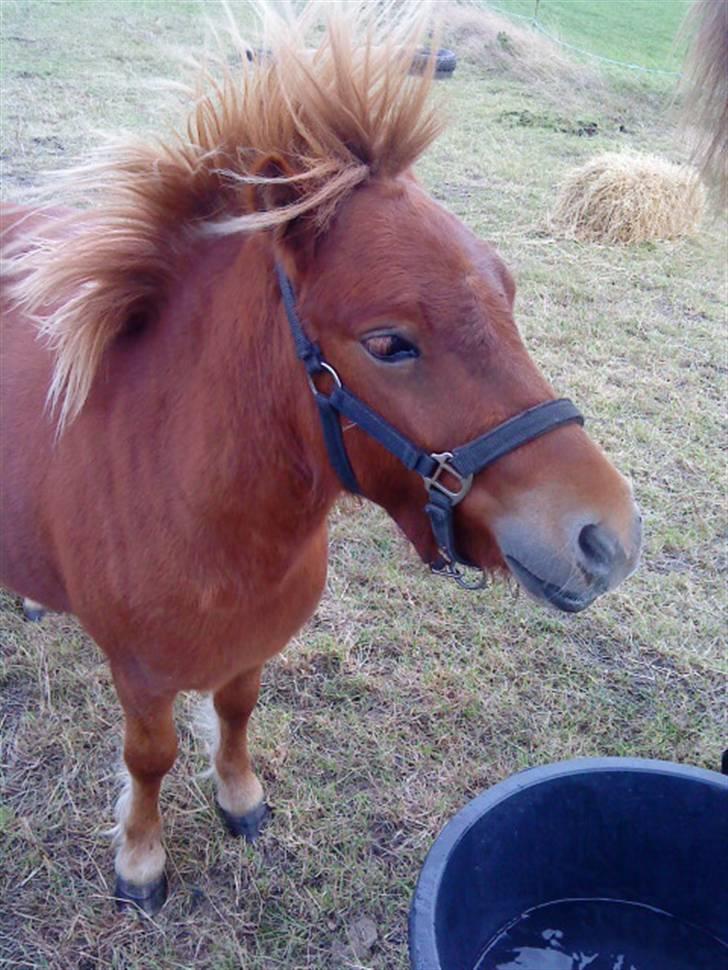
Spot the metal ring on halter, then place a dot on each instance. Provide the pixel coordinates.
(443, 460)
(330, 370)
(452, 570)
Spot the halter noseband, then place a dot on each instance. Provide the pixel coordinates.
(460, 464)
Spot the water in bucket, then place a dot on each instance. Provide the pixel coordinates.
(602, 934)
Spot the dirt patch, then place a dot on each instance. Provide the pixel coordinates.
(549, 122)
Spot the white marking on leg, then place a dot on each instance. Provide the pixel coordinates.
(238, 796)
(206, 726)
(121, 809)
(138, 864)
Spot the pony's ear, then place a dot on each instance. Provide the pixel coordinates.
(294, 239)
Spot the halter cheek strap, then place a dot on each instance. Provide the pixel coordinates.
(448, 475)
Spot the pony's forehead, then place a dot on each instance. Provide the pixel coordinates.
(424, 260)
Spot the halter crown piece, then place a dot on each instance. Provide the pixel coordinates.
(459, 465)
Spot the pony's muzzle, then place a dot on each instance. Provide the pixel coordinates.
(590, 559)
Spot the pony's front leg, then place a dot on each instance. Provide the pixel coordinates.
(239, 793)
(150, 747)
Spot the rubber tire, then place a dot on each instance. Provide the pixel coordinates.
(445, 61)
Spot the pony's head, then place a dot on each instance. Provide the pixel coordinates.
(415, 314)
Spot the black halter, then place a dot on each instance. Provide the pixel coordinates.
(460, 464)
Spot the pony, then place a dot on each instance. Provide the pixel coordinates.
(166, 476)
(705, 89)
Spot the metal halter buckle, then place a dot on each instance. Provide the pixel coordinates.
(329, 370)
(453, 570)
(443, 460)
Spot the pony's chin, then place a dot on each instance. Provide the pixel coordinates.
(499, 566)
(541, 591)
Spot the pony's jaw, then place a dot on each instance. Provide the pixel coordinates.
(567, 574)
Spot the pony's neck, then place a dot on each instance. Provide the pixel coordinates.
(257, 459)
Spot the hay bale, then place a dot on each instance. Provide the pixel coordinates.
(622, 197)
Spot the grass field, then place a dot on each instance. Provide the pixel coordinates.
(642, 32)
(403, 697)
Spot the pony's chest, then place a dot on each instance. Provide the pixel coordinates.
(237, 626)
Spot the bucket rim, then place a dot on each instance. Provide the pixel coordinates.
(422, 951)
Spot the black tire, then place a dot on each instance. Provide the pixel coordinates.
(445, 61)
(259, 54)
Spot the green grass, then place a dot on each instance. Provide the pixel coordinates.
(641, 32)
(403, 697)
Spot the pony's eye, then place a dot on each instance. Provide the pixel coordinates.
(390, 347)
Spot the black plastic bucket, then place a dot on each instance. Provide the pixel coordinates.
(599, 863)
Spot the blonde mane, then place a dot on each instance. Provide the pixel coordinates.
(328, 96)
(705, 85)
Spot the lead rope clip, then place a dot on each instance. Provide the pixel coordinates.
(466, 578)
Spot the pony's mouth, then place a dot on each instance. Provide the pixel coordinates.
(569, 601)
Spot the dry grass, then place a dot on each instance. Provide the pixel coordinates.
(623, 197)
(402, 698)
(500, 45)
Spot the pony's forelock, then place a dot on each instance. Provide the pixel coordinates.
(327, 91)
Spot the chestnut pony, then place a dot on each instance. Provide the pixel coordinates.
(166, 477)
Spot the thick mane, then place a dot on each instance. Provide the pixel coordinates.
(321, 101)
(705, 84)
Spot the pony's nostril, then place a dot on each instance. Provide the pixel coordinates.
(598, 547)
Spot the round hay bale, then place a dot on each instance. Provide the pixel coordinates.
(622, 197)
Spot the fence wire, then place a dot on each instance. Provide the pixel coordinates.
(538, 25)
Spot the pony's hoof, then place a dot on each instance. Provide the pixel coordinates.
(250, 825)
(33, 611)
(149, 898)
